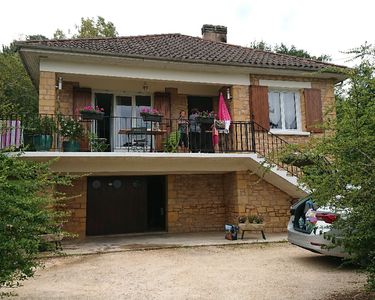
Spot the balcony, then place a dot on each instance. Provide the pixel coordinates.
(49, 135)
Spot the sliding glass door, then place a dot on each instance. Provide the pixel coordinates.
(127, 119)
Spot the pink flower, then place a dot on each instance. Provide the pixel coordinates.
(89, 108)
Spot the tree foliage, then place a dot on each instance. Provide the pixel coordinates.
(347, 181)
(17, 92)
(26, 202)
(90, 28)
(59, 34)
(284, 49)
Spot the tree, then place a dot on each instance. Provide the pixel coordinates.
(26, 213)
(262, 45)
(89, 28)
(347, 180)
(17, 93)
(59, 35)
(36, 37)
(284, 49)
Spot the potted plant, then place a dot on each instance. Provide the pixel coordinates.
(97, 144)
(171, 144)
(206, 117)
(151, 114)
(255, 219)
(92, 113)
(42, 128)
(29, 130)
(72, 131)
(251, 223)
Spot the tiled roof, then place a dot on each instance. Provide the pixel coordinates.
(182, 48)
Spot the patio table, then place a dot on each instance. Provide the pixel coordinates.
(135, 131)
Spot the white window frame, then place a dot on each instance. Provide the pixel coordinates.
(297, 96)
(114, 104)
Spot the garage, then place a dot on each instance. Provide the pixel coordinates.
(125, 204)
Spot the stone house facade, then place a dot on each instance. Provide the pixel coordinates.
(126, 191)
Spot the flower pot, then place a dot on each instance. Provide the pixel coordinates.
(71, 146)
(42, 142)
(92, 115)
(205, 120)
(151, 118)
(251, 226)
(28, 143)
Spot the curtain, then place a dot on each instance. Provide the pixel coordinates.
(289, 110)
(275, 110)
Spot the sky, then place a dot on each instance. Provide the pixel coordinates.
(319, 26)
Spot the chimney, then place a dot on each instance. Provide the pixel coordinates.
(216, 33)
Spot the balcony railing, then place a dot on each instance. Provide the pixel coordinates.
(129, 134)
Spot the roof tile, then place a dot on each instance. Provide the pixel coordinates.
(183, 48)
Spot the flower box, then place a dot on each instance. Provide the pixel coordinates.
(251, 226)
(92, 115)
(205, 120)
(151, 117)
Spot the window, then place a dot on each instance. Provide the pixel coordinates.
(130, 106)
(127, 116)
(284, 110)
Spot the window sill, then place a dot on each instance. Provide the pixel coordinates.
(290, 132)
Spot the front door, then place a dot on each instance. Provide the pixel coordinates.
(116, 205)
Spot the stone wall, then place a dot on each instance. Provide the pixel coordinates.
(47, 93)
(77, 206)
(52, 100)
(258, 197)
(66, 98)
(195, 203)
(239, 106)
(230, 189)
(207, 202)
(198, 203)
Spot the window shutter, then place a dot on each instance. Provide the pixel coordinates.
(162, 102)
(81, 98)
(313, 109)
(259, 107)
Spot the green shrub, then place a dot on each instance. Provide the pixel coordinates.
(26, 213)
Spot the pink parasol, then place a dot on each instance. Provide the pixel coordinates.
(223, 114)
(223, 110)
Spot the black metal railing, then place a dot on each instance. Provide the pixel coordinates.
(270, 146)
(135, 134)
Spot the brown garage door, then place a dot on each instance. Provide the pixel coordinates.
(116, 205)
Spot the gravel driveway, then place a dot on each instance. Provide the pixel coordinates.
(270, 271)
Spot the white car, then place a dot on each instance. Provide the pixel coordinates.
(310, 235)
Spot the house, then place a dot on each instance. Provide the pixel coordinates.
(138, 186)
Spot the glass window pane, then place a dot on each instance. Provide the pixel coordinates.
(290, 111)
(143, 101)
(274, 110)
(123, 106)
(122, 119)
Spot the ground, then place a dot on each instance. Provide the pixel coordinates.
(258, 271)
